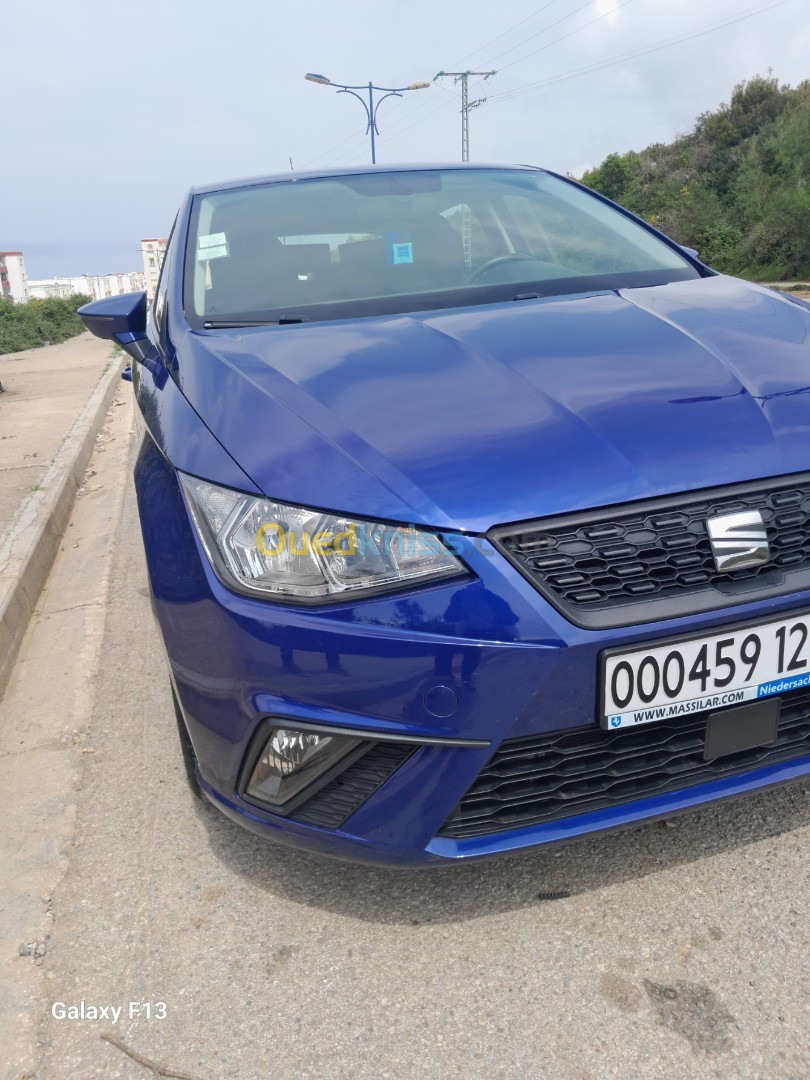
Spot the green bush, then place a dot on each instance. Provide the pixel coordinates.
(735, 187)
(39, 322)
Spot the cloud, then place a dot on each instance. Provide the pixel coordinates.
(608, 8)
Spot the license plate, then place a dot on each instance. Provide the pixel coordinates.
(676, 678)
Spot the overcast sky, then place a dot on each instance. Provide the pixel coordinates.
(111, 110)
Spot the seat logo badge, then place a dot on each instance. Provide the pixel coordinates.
(738, 541)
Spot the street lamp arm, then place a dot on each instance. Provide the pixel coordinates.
(391, 93)
(400, 89)
(364, 86)
(346, 90)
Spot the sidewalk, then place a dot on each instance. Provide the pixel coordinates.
(53, 402)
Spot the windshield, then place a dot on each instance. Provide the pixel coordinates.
(385, 242)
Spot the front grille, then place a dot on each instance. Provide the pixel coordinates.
(334, 803)
(546, 778)
(603, 569)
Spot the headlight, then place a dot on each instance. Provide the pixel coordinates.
(269, 547)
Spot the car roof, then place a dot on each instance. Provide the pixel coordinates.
(357, 170)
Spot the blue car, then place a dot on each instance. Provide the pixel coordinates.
(475, 511)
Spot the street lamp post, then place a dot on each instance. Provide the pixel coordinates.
(372, 106)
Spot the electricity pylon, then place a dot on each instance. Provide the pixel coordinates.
(466, 105)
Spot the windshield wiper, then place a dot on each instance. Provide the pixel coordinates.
(229, 324)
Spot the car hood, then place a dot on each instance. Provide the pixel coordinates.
(471, 417)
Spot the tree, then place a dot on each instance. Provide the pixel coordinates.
(737, 187)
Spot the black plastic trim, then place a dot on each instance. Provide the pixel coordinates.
(657, 608)
(376, 736)
(336, 802)
(553, 776)
(369, 739)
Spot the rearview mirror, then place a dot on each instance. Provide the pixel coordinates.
(121, 319)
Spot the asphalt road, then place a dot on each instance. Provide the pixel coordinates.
(681, 951)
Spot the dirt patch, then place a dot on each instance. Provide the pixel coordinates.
(795, 288)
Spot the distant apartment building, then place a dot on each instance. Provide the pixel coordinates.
(13, 279)
(153, 251)
(97, 286)
(50, 288)
(118, 284)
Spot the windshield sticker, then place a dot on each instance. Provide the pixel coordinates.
(212, 246)
(403, 253)
(400, 249)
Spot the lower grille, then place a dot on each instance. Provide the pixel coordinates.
(549, 777)
(336, 801)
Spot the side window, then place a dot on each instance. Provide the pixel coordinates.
(159, 306)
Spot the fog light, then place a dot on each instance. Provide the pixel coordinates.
(290, 760)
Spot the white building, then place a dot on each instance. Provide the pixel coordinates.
(131, 281)
(153, 249)
(13, 279)
(5, 287)
(46, 288)
(97, 286)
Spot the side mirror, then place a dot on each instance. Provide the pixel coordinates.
(691, 252)
(121, 319)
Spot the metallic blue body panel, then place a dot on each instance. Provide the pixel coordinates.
(477, 416)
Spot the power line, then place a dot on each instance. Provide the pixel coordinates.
(664, 43)
(486, 45)
(570, 33)
(392, 134)
(464, 76)
(531, 37)
(323, 153)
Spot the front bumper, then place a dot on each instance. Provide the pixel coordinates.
(454, 669)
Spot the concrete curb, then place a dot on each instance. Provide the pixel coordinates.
(27, 553)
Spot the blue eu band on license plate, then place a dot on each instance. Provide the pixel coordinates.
(665, 680)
